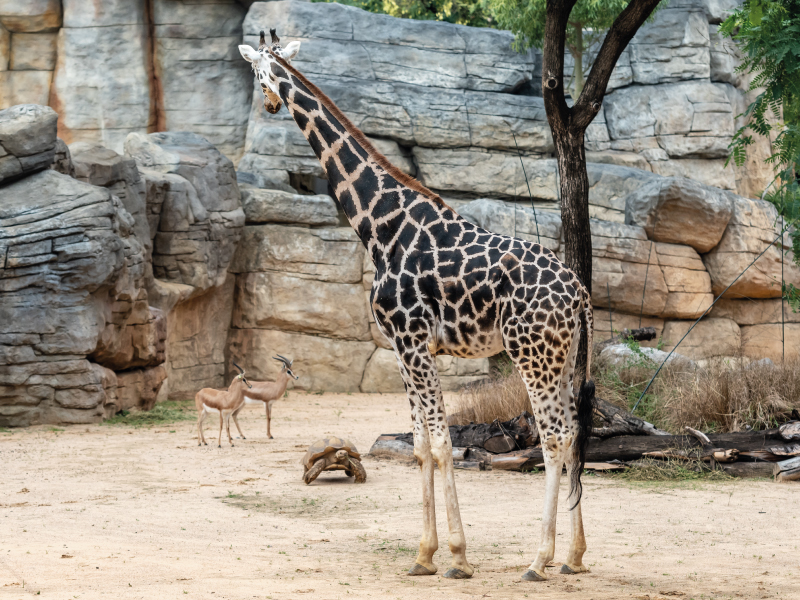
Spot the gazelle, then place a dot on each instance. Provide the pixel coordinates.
(269, 392)
(209, 400)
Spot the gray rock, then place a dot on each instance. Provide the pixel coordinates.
(680, 211)
(62, 163)
(754, 225)
(516, 220)
(27, 140)
(345, 42)
(193, 198)
(326, 254)
(690, 119)
(713, 173)
(725, 58)
(209, 93)
(255, 180)
(621, 356)
(275, 206)
(72, 268)
(103, 167)
(33, 52)
(31, 15)
(24, 87)
(289, 303)
(674, 47)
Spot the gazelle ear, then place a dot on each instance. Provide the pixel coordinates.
(248, 53)
(291, 50)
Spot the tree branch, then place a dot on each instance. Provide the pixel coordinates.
(555, 35)
(622, 31)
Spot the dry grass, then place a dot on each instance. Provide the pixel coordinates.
(725, 396)
(671, 470)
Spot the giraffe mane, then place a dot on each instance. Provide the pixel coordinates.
(359, 137)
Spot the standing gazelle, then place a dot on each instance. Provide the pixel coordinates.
(226, 403)
(269, 392)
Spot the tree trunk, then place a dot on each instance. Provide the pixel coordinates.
(574, 188)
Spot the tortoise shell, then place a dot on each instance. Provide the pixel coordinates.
(326, 446)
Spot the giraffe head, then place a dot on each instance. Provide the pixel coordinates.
(262, 61)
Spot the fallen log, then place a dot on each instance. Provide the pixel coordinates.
(497, 437)
(790, 431)
(787, 470)
(621, 422)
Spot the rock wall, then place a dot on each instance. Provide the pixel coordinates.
(91, 306)
(120, 66)
(138, 264)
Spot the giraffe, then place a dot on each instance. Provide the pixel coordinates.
(445, 286)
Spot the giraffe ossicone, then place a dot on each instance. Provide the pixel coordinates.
(445, 286)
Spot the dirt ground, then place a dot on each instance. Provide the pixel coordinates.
(111, 511)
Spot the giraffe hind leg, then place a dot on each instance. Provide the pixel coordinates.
(543, 371)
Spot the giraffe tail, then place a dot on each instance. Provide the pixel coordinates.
(585, 407)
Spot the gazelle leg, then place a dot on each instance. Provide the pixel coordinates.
(424, 379)
(236, 422)
(269, 418)
(201, 439)
(219, 441)
(228, 428)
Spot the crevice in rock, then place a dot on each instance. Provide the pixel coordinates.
(157, 120)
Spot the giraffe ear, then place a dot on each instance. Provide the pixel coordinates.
(291, 50)
(248, 53)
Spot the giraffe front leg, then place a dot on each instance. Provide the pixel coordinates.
(425, 380)
(429, 543)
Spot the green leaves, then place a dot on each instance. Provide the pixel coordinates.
(460, 12)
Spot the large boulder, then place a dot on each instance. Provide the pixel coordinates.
(325, 254)
(680, 211)
(276, 206)
(344, 42)
(103, 167)
(753, 226)
(688, 282)
(193, 189)
(688, 119)
(623, 262)
(27, 140)
(516, 220)
(290, 303)
(710, 338)
(673, 47)
(101, 84)
(204, 83)
(71, 257)
(382, 373)
(30, 15)
(322, 363)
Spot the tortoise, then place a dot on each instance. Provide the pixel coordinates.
(332, 453)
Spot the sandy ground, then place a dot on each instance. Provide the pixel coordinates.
(102, 511)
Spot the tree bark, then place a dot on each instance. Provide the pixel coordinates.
(568, 124)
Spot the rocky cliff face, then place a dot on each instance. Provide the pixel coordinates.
(138, 265)
(85, 314)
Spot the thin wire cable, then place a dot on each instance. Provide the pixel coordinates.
(610, 310)
(644, 289)
(661, 366)
(530, 195)
(783, 321)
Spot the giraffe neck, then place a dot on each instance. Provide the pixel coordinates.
(376, 197)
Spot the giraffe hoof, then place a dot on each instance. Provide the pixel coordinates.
(532, 576)
(418, 569)
(457, 574)
(567, 570)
